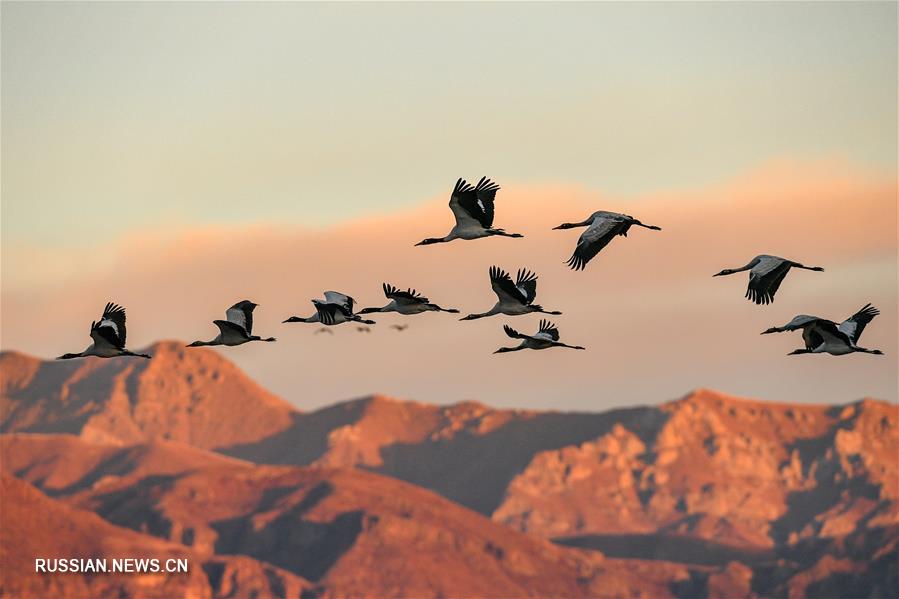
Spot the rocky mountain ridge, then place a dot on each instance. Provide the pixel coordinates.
(717, 491)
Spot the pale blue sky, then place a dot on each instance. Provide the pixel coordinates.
(119, 116)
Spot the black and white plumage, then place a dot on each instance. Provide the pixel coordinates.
(473, 208)
(547, 336)
(335, 309)
(406, 302)
(602, 227)
(237, 328)
(826, 336)
(514, 298)
(766, 273)
(109, 335)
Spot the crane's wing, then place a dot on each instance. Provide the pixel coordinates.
(610, 215)
(345, 302)
(486, 190)
(855, 324)
(473, 205)
(800, 322)
(327, 312)
(812, 337)
(513, 333)
(526, 282)
(594, 239)
(409, 296)
(829, 332)
(226, 327)
(765, 279)
(104, 336)
(548, 330)
(110, 329)
(241, 314)
(504, 288)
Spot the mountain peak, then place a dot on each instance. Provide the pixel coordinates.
(168, 346)
(18, 369)
(191, 395)
(12, 354)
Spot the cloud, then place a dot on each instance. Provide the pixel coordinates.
(655, 322)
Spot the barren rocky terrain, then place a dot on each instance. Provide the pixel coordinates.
(709, 495)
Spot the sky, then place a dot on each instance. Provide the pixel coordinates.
(177, 157)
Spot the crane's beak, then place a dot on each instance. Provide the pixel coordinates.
(771, 330)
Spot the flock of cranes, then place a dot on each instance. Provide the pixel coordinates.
(473, 209)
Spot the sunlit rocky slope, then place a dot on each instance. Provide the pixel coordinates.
(707, 495)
